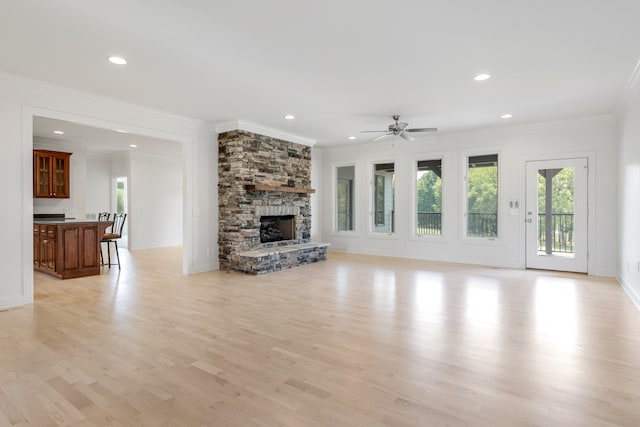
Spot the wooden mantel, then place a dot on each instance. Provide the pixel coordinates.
(260, 187)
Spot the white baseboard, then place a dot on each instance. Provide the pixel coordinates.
(203, 268)
(11, 302)
(631, 293)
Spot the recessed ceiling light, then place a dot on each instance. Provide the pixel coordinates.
(352, 137)
(117, 60)
(133, 146)
(121, 131)
(481, 77)
(506, 116)
(289, 117)
(58, 132)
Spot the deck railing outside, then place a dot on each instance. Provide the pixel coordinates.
(486, 225)
(429, 223)
(562, 230)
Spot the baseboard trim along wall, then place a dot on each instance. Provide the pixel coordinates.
(631, 293)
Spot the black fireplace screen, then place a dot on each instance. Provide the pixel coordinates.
(276, 228)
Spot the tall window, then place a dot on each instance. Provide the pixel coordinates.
(383, 198)
(344, 198)
(429, 197)
(482, 196)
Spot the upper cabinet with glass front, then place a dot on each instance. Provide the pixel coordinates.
(51, 170)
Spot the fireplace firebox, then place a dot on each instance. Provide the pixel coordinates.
(277, 228)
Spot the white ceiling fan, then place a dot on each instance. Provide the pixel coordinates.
(399, 129)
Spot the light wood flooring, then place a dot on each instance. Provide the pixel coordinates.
(353, 341)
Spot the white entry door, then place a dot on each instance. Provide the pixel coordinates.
(556, 214)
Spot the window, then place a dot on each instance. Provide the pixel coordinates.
(429, 197)
(344, 198)
(383, 197)
(482, 196)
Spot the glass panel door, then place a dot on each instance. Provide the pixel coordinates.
(556, 215)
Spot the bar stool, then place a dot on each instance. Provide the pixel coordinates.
(111, 237)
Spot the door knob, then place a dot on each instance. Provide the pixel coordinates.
(529, 220)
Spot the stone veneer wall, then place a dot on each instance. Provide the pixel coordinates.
(250, 158)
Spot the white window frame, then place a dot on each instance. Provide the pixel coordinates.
(413, 235)
(334, 197)
(371, 232)
(465, 203)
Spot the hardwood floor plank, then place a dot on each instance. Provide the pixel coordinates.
(353, 341)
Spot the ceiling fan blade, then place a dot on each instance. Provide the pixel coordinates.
(378, 138)
(406, 136)
(422, 130)
(365, 131)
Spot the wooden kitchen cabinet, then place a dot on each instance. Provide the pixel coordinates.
(51, 171)
(44, 247)
(67, 249)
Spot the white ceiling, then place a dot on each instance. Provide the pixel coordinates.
(96, 140)
(340, 66)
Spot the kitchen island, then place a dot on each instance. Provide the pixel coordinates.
(67, 248)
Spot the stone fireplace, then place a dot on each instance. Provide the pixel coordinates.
(264, 204)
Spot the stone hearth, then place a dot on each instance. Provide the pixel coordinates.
(246, 158)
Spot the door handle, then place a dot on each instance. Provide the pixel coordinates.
(529, 220)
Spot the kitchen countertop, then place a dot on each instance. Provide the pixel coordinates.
(68, 221)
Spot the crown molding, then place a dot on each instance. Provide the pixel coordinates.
(630, 91)
(263, 130)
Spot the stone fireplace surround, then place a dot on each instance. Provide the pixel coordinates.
(245, 159)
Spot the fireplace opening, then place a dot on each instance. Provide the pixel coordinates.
(277, 228)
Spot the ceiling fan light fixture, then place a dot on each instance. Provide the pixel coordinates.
(482, 77)
(400, 129)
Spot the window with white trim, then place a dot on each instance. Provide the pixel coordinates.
(429, 197)
(482, 196)
(383, 198)
(344, 198)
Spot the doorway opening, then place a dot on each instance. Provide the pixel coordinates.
(121, 206)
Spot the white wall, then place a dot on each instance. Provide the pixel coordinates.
(21, 99)
(592, 137)
(155, 207)
(98, 184)
(316, 183)
(155, 195)
(629, 199)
